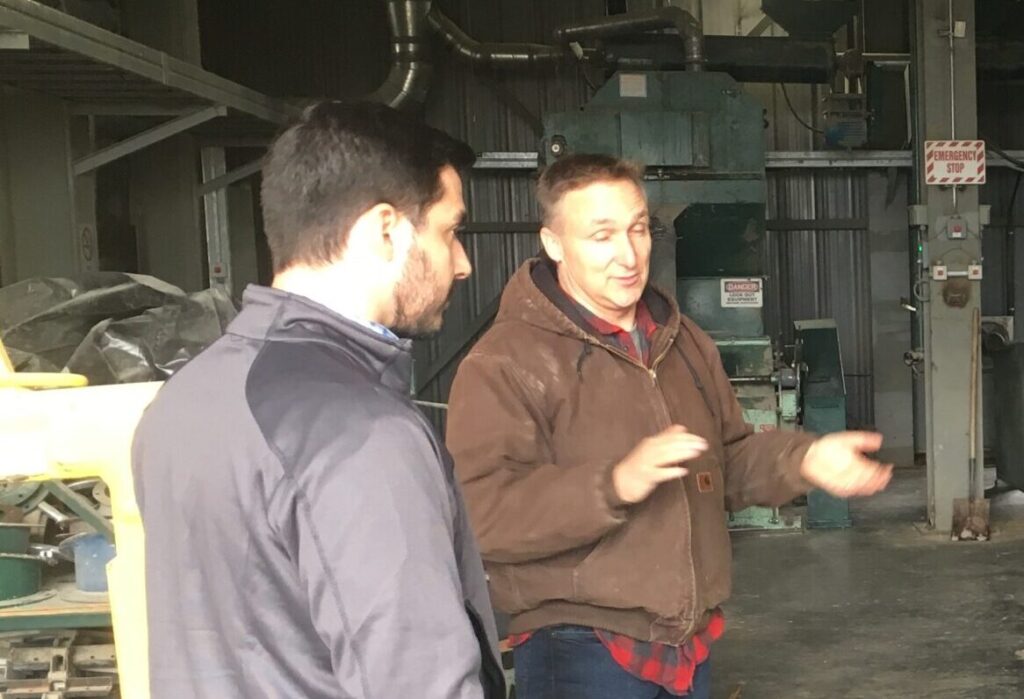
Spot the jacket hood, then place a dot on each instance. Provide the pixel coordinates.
(533, 296)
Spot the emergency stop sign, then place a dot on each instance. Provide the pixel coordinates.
(954, 162)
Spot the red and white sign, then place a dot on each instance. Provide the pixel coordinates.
(742, 293)
(954, 162)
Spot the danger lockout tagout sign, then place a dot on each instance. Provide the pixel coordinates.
(742, 293)
(954, 162)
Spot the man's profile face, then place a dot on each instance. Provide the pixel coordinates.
(602, 243)
(433, 263)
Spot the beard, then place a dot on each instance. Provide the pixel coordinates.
(421, 297)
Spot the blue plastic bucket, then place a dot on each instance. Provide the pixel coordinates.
(92, 553)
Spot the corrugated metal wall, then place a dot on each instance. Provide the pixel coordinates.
(824, 273)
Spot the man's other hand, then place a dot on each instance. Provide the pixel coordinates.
(836, 463)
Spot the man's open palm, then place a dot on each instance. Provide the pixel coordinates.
(836, 463)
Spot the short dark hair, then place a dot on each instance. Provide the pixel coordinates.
(339, 160)
(578, 170)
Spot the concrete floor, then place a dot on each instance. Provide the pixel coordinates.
(886, 609)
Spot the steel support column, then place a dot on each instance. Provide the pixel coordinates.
(946, 108)
(215, 218)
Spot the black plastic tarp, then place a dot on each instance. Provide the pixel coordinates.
(111, 327)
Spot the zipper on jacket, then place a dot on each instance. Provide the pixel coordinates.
(652, 371)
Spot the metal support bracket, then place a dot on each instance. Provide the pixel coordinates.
(127, 109)
(147, 138)
(59, 671)
(229, 178)
(81, 507)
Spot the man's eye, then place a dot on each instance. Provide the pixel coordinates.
(602, 235)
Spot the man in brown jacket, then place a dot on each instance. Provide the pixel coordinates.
(599, 444)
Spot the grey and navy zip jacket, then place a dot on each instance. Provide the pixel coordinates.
(304, 533)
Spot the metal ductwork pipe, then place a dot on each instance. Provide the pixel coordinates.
(492, 54)
(664, 18)
(748, 59)
(409, 79)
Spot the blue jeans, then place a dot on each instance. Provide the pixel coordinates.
(570, 662)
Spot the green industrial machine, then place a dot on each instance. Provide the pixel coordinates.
(701, 138)
(824, 407)
(731, 311)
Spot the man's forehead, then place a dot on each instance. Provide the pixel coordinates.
(594, 204)
(632, 214)
(609, 191)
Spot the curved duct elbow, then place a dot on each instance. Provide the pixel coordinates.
(409, 78)
(493, 54)
(689, 29)
(411, 21)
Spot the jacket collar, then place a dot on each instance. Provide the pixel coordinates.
(535, 297)
(273, 315)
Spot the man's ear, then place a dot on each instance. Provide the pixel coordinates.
(373, 232)
(552, 244)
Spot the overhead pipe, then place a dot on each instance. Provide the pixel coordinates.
(683, 22)
(494, 54)
(748, 59)
(412, 21)
(409, 78)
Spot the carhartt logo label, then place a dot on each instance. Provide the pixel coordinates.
(705, 483)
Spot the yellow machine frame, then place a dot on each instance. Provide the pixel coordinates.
(76, 431)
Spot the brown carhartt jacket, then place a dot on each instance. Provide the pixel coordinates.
(540, 412)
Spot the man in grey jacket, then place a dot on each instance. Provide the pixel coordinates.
(304, 534)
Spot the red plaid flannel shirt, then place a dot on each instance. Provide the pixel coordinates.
(671, 667)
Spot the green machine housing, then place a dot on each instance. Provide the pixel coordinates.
(819, 358)
(701, 138)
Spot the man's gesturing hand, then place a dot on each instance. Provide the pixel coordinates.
(836, 463)
(653, 461)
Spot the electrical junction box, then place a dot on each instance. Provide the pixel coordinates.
(956, 228)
